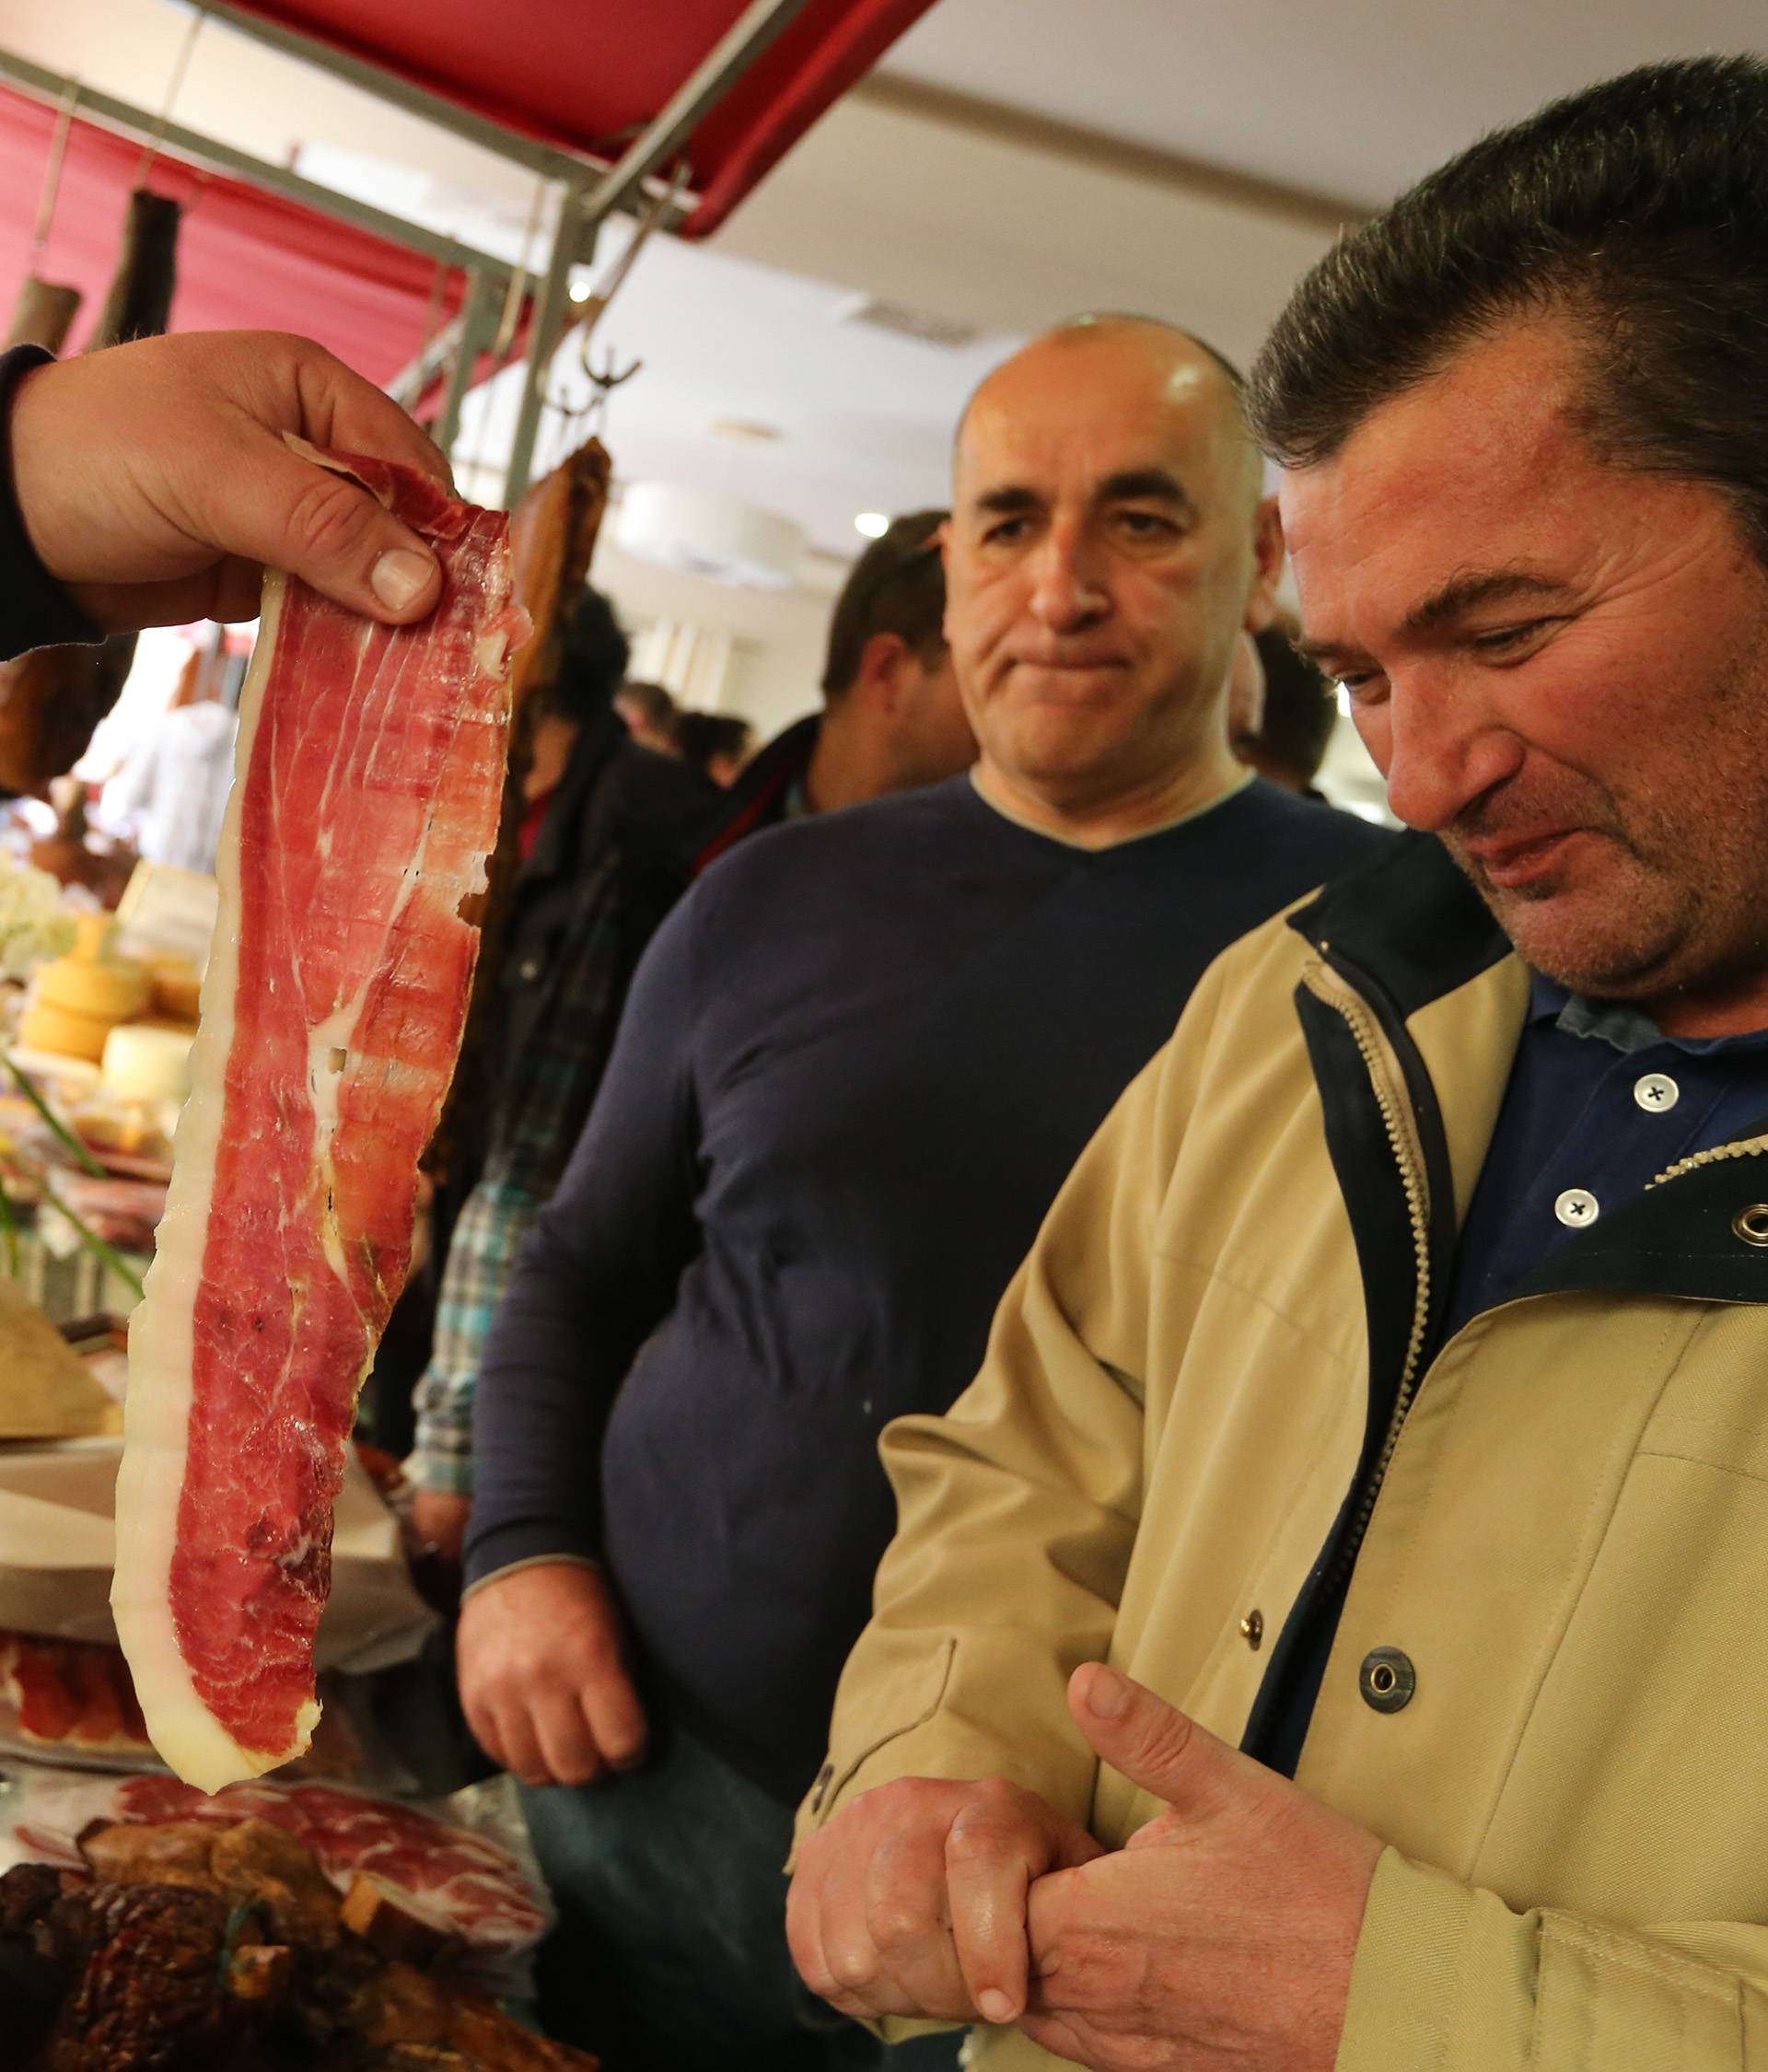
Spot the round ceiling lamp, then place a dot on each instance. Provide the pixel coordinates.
(698, 533)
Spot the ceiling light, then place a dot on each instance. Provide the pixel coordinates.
(581, 291)
(873, 524)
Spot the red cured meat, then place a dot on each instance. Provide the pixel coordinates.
(477, 1887)
(371, 761)
(71, 1692)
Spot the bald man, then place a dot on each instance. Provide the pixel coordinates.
(856, 1064)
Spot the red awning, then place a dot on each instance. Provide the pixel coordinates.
(246, 259)
(588, 77)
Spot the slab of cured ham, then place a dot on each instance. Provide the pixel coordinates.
(369, 769)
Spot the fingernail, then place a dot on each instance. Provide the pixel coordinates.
(994, 2006)
(1106, 1693)
(400, 575)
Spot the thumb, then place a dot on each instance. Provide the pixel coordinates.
(326, 528)
(1153, 1744)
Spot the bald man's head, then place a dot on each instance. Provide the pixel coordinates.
(1107, 540)
(1163, 346)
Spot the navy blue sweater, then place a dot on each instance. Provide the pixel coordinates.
(857, 1064)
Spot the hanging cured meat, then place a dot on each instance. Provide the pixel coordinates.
(370, 762)
(552, 538)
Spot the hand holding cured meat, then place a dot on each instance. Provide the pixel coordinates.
(155, 484)
(543, 1677)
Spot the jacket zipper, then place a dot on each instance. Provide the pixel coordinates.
(1750, 1148)
(1394, 1107)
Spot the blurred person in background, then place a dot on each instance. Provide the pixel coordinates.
(856, 1067)
(1297, 712)
(891, 719)
(650, 714)
(718, 744)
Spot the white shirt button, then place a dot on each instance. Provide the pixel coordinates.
(1575, 1208)
(1656, 1093)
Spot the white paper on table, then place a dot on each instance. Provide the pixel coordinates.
(57, 1545)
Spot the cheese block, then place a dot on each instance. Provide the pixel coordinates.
(176, 985)
(47, 1028)
(105, 992)
(146, 1063)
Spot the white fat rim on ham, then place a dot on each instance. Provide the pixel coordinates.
(157, 1411)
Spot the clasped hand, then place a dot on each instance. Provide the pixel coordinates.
(1224, 1929)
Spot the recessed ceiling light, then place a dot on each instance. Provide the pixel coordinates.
(873, 524)
(581, 291)
(750, 428)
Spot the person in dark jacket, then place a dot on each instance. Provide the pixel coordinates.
(892, 717)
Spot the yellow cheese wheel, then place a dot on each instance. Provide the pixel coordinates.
(106, 992)
(44, 1027)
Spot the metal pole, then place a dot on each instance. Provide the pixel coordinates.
(478, 326)
(544, 158)
(416, 375)
(573, 242)
(760, 24)
(113, 114)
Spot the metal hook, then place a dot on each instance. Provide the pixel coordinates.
(602, 385)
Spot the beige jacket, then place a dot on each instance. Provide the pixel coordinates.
(1567, 1514)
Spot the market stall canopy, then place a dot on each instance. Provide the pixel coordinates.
(246, 259)
(589, 78)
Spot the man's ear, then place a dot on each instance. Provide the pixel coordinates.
(882, 676)
(944, 537)
(1267, 555)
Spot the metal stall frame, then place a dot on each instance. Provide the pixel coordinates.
(588, 193)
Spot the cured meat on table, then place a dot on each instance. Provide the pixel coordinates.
(68, 1696)
(371, 761)
(186, 1948)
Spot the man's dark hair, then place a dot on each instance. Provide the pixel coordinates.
(1636, 210)
(653, 704)
(703, 734)
(897, 586)
(592, 661)
(1301, 706)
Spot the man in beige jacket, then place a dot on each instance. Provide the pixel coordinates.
(1333, 1627)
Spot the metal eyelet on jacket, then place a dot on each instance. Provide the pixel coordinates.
(1387, 1680)
(1252, 1630)
(1751, 1224)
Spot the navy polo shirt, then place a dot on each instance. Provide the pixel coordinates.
(1600, 1102)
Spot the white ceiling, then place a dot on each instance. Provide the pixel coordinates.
(1354, 99)
(1226, 141)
